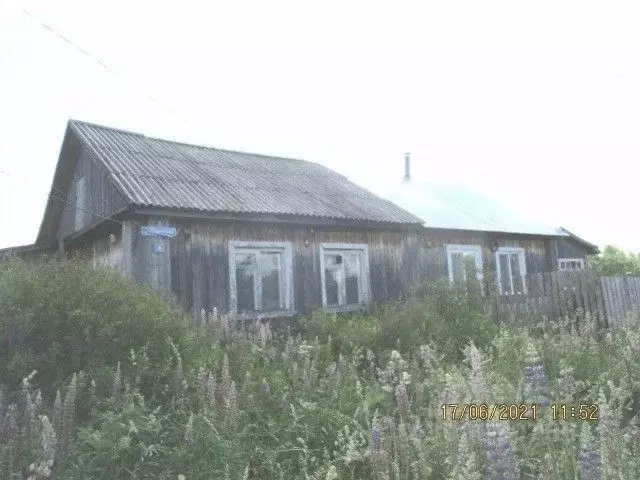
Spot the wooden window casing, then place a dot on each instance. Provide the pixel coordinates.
(256, 271)
(568, 264)
(462, 253)
(511, 271)
(344, 272)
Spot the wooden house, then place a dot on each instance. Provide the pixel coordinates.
(467, 226)
(255, 235)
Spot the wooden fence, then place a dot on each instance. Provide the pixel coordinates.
(575, 295)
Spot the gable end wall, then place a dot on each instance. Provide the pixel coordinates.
(102, 199)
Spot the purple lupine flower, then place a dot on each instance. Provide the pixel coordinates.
(590, 459)
(264, 388)
(590, 465)
(536, 385)
(536, 382)
(376, 435)
(503, 463)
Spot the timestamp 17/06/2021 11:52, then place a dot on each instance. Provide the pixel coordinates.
(518, 411)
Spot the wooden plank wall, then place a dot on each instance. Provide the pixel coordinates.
(539, 254)
(569, 248)
(398, 260)
(102, 197)
(621, 299)
(149, 265)
(200, 264)
(107, 252)
(574, 296)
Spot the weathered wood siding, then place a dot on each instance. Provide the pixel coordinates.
(195, 264)
(199, 261)
(107, 252)
(101, 250)
(538, 253)
(150, 266)
(102, 199)
(568, 248)
(578, 296)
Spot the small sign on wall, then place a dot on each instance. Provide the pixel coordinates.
(158, 231)
(158, 247)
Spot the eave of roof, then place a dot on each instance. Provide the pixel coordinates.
(278, 219)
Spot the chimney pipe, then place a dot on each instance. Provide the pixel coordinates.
(407, 167)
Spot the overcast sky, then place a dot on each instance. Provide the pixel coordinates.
(538, 109)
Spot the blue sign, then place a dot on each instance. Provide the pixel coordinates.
(158, 247)
(158, 231)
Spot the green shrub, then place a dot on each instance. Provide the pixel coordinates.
(355, 328)
(437, 313)
(615, 262)
(449, 317)
(58, 318)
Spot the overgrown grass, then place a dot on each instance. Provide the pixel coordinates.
(345, 397)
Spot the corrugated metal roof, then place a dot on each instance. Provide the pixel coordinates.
(152, 172)
(459, 208)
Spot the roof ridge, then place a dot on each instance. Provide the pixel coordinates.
(74, 122)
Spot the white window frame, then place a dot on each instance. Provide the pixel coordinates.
(523, 268)
(286, 273)
(364, 289)
(81, 202)
(579, 261)
(476, 250)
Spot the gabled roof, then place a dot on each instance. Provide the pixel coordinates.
(152, 172)
(459, 208)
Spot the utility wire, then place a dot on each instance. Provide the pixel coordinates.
(61, 197)
(172, 111)
(58, 195)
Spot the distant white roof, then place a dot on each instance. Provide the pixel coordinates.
(457, 207)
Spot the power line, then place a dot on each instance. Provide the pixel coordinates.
(58, 195)
(172, 111)
(62, 199)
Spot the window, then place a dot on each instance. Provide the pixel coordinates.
(261, 278)
(570, 264)
(81, 204)
(511, 269)
(345, 274)
(462, 259)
